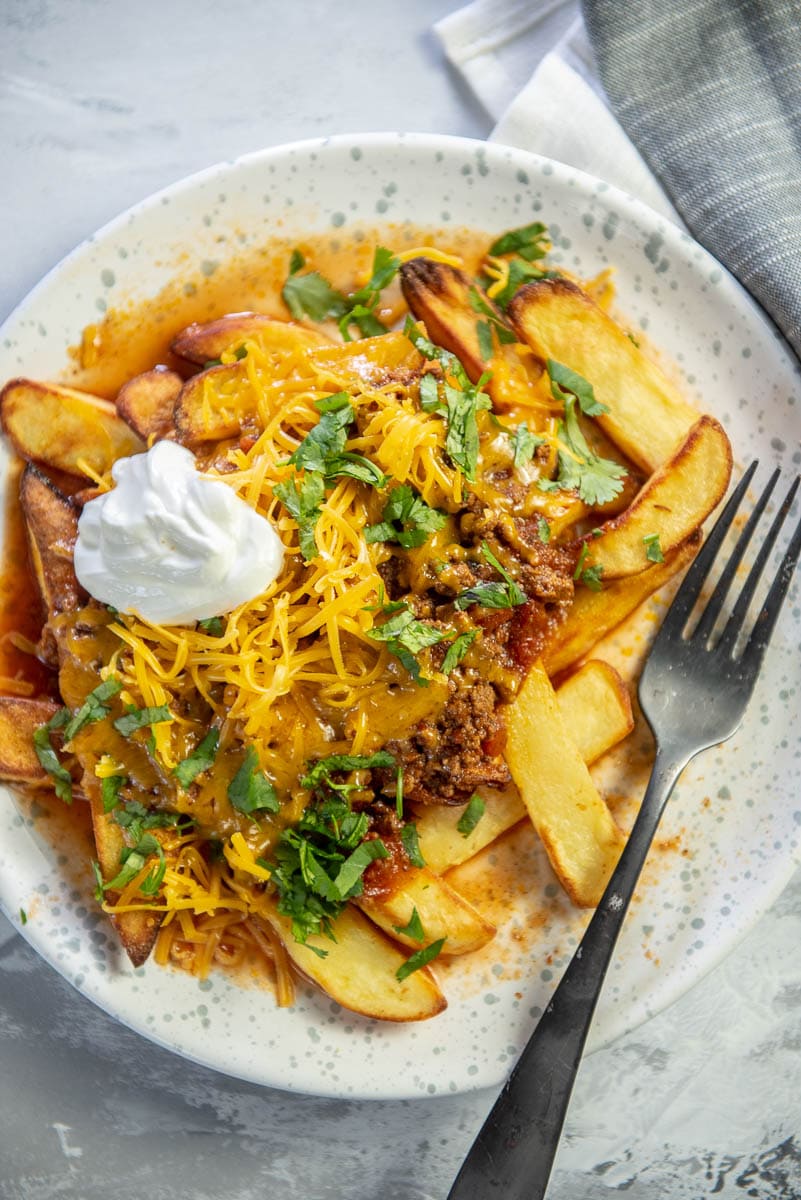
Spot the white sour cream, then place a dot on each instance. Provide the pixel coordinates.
(172, 546)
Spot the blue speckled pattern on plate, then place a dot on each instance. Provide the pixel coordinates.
(735, 821)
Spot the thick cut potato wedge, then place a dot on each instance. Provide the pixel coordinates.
(580, 836)
(442, 911)
(594, 614)
(146, 402)
(595, 707)
(647, 416)
(64, 428)
(137, 931)
(674, 502)
(440, 296)
(359, 968)
(203, 343)
(19, 720)
(51, 521)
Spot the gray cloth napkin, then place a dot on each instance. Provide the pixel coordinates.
(709, 91)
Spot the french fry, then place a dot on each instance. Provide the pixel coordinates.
(443, 298)
(137, 930)
(19, 720)
(63, 428)
(359, 969)
(576, 828)
(674, 502)
(51, 523)
(647, 416)
(146, 402)
(203, 343)
(595, 706)
(442, 912)
(593, 615)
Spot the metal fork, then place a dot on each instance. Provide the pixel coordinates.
(694, 691)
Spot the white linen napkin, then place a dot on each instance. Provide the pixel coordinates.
(558, 110)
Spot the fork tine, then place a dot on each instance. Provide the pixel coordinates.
(713, 608)
(693, 581)
(734, 625)
(764, 625)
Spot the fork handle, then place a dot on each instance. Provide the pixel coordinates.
(514, 1151)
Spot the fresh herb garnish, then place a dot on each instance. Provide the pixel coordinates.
(597, 480)
(94, 707)
(490, 328)
(544, 530)
(310, 295)
(23, 917)
(110, 791)
(133, 860)
(199, 760)
(405, 636)
(62, 780)
(565, 382)
(653, 549)
(302, 500)
(419, 959)
(457, 650)
(250, 791)
(411, 844)
(471, 816)
(320, 772)
(524, 443)
(589, 576)
(414, 928)
(357, 863)
(489, 593)
(138, 718)
(135, 819)
(406, 519)
(213, 626)
(462, 402)
(529, 241)
(520, 272)
(363, 303)
(327, 438)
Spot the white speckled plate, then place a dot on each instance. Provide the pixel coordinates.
(731, 833)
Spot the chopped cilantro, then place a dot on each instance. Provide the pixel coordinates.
(138, 718)
(520, 272)
(589, 576)
(213, 626)
(320, 772)
(429, 394)
(363, 303)
(23, 917)
(414, 928)
(199, 760)
(311, 295)
(471, 816)
(250, 791)
(653, 550)
(110, 791)
(405, 636)
(355, 466)
(491, 327)
(357, 863)
(529, 241)
(524, 443)
(544, 530)
(597, 480)
(302, 500)
(419, 959)
(486, 345)
(62, 780)
(457, 650)
(327, 438)
(406, 519)
(94, 707)
(489, 593)
(135, 819)
(133, 861)
(411, 844)
(565, 382)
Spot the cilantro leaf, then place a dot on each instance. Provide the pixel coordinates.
(419, 959)
(414, 929)
(529, 241)
(94, 707)
(597, 480)
(321, 771)
(135, 819)
(355, 466)
(565, 382)
(520, 272)
(653, 549)
(490, 594)
(544, 530)
(411, 844)
(250, 791)
(363, 303)
(325, 439)
(356, 864)
(406, 519)
(471, 816)
(457, 650)
(110, 791)
(138, 718)
(199, 760)
(405, 636)
(49, 760)
(429, 394)
(524, 443)
(486, 345)
(311, 295)
(302, 500)
(589, 576)
(213, 626)
(462, 441)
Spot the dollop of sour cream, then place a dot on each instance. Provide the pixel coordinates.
(173, 546)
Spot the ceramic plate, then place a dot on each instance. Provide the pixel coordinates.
(729, 838)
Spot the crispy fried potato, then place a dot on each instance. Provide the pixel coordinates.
(674, 502)
(204, 343)
(19, 720)
(574, 824)
(442, 911)
(358, 970)
(595, 706)
(595, 614)
(137, 931)
(647, 415)
(64, 428)
(51, 521)
(440, 296)
(146, 402)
